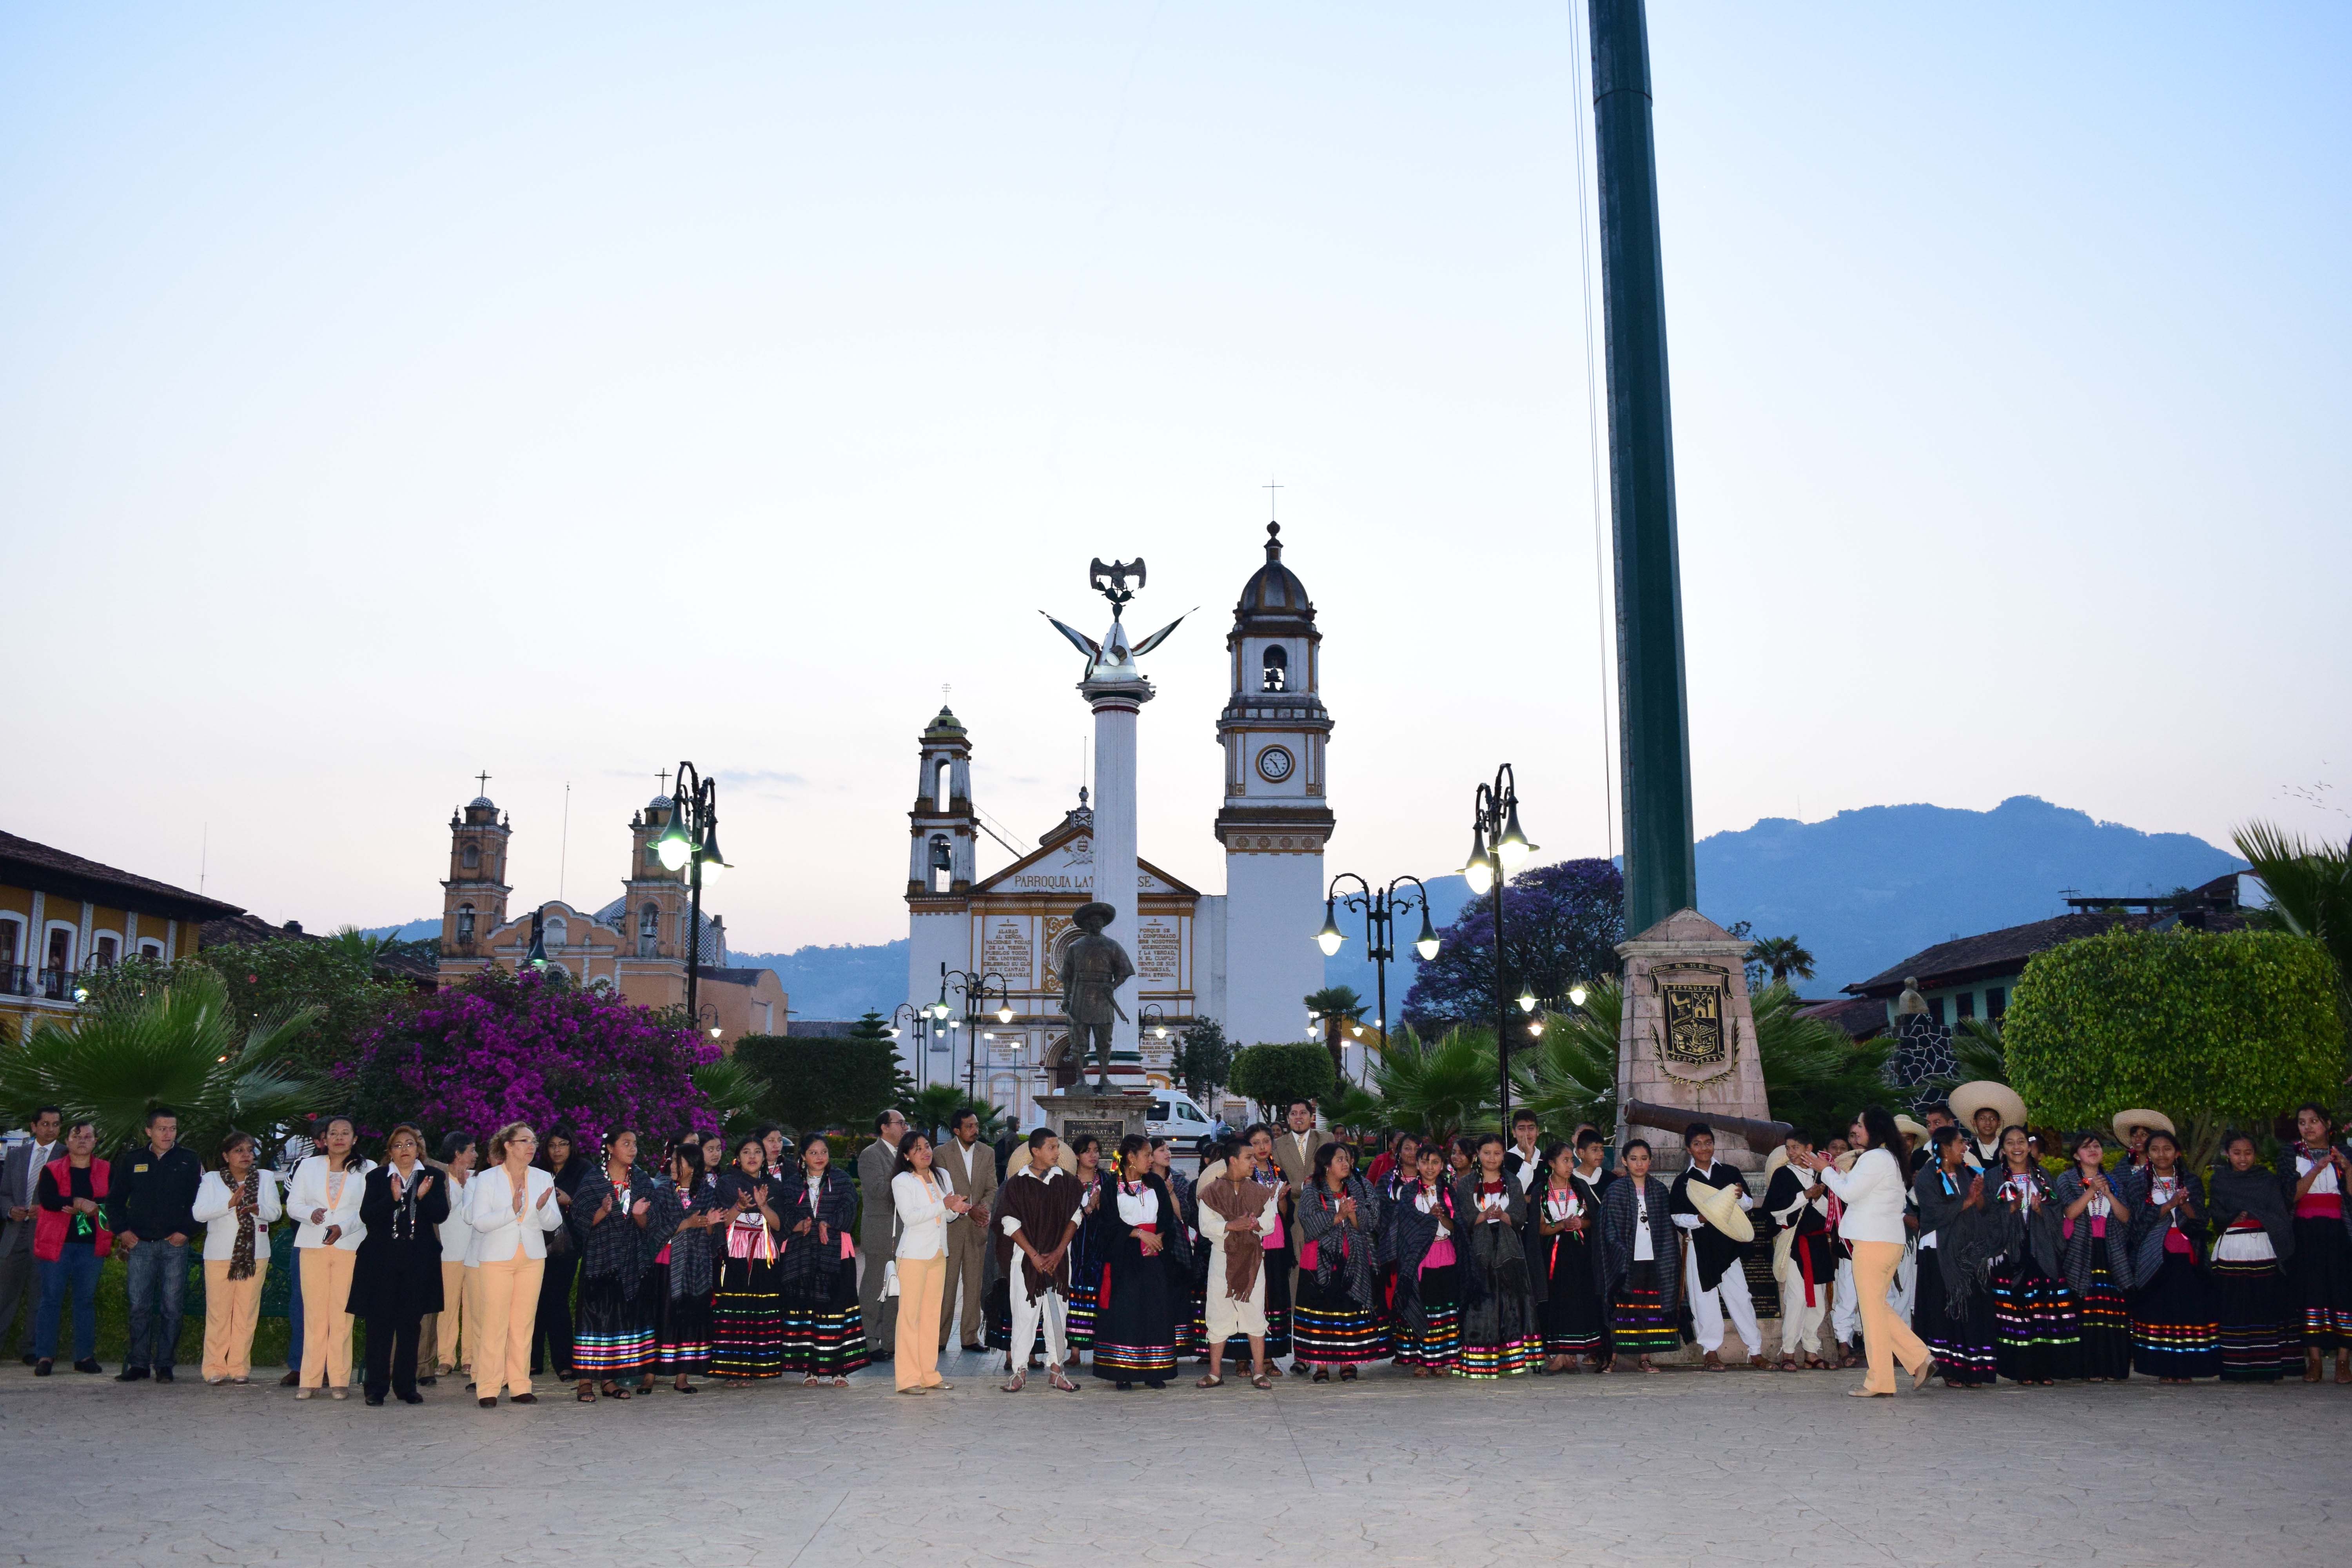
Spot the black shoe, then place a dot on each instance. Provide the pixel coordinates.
(30, 1358)
(163, 1374)
(376, 1399)
(522, 1399)
(131, 1374)
(293, 1378)
(411, 1398)
(89, 1365)
(426, 1382)
(42, 1368)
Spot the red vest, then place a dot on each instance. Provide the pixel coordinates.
(50, 1225)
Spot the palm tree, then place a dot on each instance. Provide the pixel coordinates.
(731, 1088)
(180, 1046)
(2311, 893)
(1438, 1090)
(1336, 1006)
(1816, 1075)
(1977, 1051)
(1784, 956)
(935, 1108)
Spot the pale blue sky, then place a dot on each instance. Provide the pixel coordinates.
(386, 395)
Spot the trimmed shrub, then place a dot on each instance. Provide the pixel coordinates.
(1275, 1074)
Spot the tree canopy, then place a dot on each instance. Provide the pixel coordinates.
(1561, 925)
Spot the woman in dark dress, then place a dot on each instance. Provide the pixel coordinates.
(679, 1283)
(1086, 1246)
(2318, 1180)
(550, 1329)
(1138, 1282)
(1562, 1213)
(2095, 1217)
(1280, 1251)
(1191, 1306)
(1423, 1229)
(1640, 1274)
(1952, 1309)
(2176, 1333)
(1336, 1320)
(397, 1275)
(2254, 1239)
(621, 1214)
(1502, 1332)
(824, 1334)
(2037, 1326)
(747, 1314)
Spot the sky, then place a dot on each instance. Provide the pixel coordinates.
(390, 395)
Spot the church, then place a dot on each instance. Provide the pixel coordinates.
(1245, 958)
(635, 945)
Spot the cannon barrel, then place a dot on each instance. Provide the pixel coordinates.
(1763, 1137)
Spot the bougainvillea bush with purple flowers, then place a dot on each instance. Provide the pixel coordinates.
(505, 1048)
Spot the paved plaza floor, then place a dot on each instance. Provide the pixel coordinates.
(1681, 1467)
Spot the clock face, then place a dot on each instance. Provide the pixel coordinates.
(1273, 765)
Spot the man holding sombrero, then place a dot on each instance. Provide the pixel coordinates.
(1709, 1202)
(1984, 1108)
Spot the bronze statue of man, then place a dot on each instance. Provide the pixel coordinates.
(1092, 967)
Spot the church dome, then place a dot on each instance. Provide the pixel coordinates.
(483, 801)
(1276, 590)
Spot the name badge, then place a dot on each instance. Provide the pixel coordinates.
(139, 1169)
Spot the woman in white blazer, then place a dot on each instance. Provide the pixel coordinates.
(1874, 1193)
(510, 1208)
(236, 1204)
(451, 1331)
(323, 1196)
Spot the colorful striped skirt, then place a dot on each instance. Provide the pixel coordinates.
(1277, 1306)
(2105, 1318)
(1962, 1342)
(1329, 1327)
(2321, 1273)
(1134, 1322)
(1437, 1343)
(2037, 1324)
(1639, 1323)
(1572, 1323)
(747, 1321)
(823, 1331)
(681, 1328)
(1080, 1321)
(614, 1336)
(2176, 1328)
(2260, 1334)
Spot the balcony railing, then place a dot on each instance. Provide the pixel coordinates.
(57, 984)
(16, 979)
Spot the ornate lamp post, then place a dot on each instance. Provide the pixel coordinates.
(973, 989)
(1495, 820)
(919, 1018)
(1380, 908)
(689, 844)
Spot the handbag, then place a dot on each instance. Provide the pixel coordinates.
(889, 1278)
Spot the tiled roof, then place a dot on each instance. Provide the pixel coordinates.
(2004, 951)
(54, 870)
(1860, 1017)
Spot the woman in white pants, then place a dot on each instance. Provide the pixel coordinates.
(508, 1208)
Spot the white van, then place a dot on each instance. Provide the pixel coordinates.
(1177, 1118)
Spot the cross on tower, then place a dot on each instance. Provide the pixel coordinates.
(663, 774)
(1270, 497)
(483, 779)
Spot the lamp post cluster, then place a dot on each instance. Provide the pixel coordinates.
(690, 844)
(973, 991)
(1497, 849)
(1380, 908)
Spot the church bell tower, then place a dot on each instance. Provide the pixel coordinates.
(1276, 816)
(474, 895)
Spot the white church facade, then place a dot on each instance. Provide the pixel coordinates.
(1245, 957)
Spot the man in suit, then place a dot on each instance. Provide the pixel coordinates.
(970, 1167)
(1294, 1146)
(18, 1172)
(878, 1232)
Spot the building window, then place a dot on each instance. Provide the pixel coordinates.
(12, 946)
(60, 964)
(554, 932)
(102, 950)
(649, 930)
(1996, 1002)
(465, 923)
(152, 951)
(943, 797)
(1966, 1002)
(1936, 1011)
(470, 857)
(1277, 670)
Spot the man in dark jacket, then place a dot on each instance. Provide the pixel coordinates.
(151, 1209)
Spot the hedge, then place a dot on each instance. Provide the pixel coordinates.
(1276, 1074)
(2240, 1026)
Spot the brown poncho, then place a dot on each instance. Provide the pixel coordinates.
(1244, 1249)
(1044, 1209)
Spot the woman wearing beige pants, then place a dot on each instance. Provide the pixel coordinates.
(449, 1334)
(324, 1199)
(507, 1207)
(235, 1206)
(1872, 1192)
(924, 1204)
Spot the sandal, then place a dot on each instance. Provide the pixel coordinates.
(1260, 1381)
(682, 1386)
(841, 1383)
(808, 1380)
(1210, 1383)
(1348, 1372)
(1063, 1384)
(586, 1395)
(614, 1392)
(1788, 1364)
(1322, 1374)
(1020, 1380)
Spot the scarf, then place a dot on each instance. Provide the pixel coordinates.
(2257, 1194)
(1244, 1251)
(248, 1191)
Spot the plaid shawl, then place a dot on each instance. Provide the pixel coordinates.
(2122, 1266)
(1613, 1259)
(1494, 1256)
(832, 1201)
(690, 1271)
(2145, 1237)
(2257, 1194)
(618, 1247)
(1343, 1256)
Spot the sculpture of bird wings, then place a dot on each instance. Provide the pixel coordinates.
(1156, 638)
(1095, 573)
(1079, 640)
(1134, 570)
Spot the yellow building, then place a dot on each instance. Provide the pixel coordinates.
(635, 945)
(62, 916)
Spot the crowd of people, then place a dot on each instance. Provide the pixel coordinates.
(1945, 1249)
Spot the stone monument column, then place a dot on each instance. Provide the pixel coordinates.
(1686, 1044)
(1118, 696)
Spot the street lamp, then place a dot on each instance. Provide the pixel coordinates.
(689, 843)
(1151, 1016)
(920, 1020)
(973, 989)
(1379, 906)
(1495, 820)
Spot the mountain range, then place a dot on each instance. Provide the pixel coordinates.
(1863, 890)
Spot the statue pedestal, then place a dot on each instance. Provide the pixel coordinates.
(1109, 1117)
(1686, 1045)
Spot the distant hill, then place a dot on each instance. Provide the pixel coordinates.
(414, 931)
(837, 982)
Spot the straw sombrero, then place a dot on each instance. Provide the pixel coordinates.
(1971, 1098)
(1720, 1206)
(1915, 1132)
(2154, 1121)
(1774, 1161)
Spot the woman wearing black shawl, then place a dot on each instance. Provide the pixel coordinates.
(2038, 1335)
(2095, 1215)
(1337, 1320)
(2175, 1331)
(1421, 1227)
(2316, 1179)
(1144, 1256)
(550, 1328)
(1639, 1261)
(2254, 1237)
(747, 1315)
(1095, 1187)
(824, 1335)
(1502, 1335)
(1953, 1310)
(619, 1217)
(1562, 1209)
(680, 1279)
